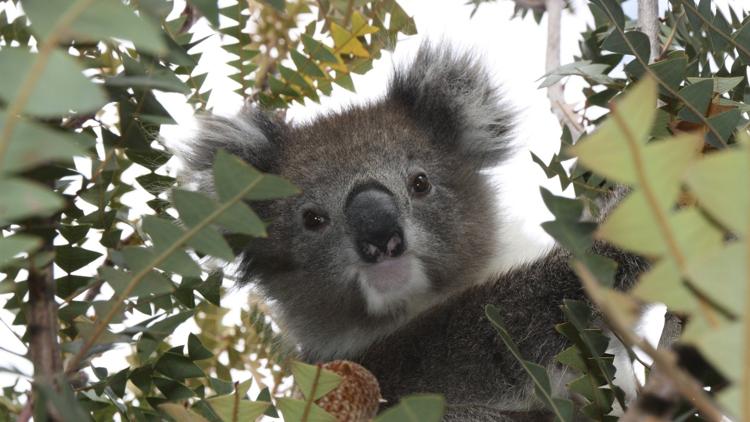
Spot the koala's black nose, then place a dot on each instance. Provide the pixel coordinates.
(373, 218)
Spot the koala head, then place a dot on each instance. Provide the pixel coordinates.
(395, 213)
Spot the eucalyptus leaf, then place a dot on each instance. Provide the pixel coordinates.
(99, 20)
(17, 244)
(314, 380)
(28, 199)
(61, 75)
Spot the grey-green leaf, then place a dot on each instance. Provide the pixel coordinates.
(61, 76)
(415, 408)
(28, 199)
(100, 20)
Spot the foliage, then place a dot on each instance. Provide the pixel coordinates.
(676, 135)
(83, 79)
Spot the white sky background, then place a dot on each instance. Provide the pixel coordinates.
(513, 49)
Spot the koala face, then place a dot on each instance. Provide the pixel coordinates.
(395, 213)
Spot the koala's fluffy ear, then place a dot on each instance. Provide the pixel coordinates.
(252, 135)
(452, 95)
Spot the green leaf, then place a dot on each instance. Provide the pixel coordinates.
(317, 50)
(32, 144)
(724, 124)
(232, 175)
(314, 379)
(567, 209)
(180, 413)
(699, 96)
(74, 234)
(177, 367)
(62, 75)
(157, 332)
(29, 199)
(196, 350)
(715, 180)
(153, 283)
(234, 407)
(415, 408)
(306, 66)
(721, 85)
(211, 288)
(155, 183)
(172, 390)
(14, 245)
(742, 37)
(209, 9)
(99, 20)
(616, 44)
(672, 71)
(71, 258)
(722, 277)
(164, 234)
(562, 409)
(238, 218)
(664, 284)
(294, 410)
(165, 81)
(603, 150)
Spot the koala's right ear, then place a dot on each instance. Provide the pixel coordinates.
(252, 135)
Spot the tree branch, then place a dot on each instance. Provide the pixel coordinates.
(648, 20)
(555, 93)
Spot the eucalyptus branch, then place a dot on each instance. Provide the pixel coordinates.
(658, 79)
(46, 48)
(555, 93)
(648, 20)
(688, 387)
(710, 24)
(119, 300)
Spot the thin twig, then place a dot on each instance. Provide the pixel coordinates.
(555, 92)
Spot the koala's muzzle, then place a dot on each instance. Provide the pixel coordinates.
(374, 220)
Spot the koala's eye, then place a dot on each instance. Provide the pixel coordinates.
(420, 184)
(313, 220)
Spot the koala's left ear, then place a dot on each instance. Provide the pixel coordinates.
(452, 96)
(252, 134)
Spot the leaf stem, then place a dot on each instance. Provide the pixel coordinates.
(666, 360)
(156, 261)
(35, 72)
(653, 203)
(309, 400)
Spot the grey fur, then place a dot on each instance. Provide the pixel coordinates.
(441, 116)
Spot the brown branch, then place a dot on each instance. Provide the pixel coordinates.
(555, 93)
(44, 348)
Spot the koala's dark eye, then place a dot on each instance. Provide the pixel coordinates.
(420, 184)
(313, 220)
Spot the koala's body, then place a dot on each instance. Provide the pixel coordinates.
(389, 254)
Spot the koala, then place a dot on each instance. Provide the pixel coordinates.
(389, 254)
